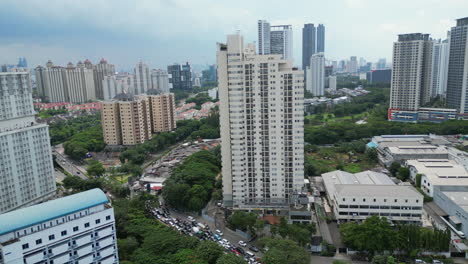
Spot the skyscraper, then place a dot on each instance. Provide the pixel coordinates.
(411, 74)
(440, 56)
(261, 117)
(100, 71)
(457, 79)
(275, 39)
(160, 81)
(352, 66)
(180, 76)
(26, 171)
(308, 44)
(263, 37)
(321, 38)
(113, 85)
(49, 81)
(142, 78)
(381, 64)
(315, 81)
(281, 41)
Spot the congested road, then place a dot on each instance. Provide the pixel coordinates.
(191, 227)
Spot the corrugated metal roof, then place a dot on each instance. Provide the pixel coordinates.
(39, 213)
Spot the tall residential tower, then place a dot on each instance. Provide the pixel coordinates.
(261, 116)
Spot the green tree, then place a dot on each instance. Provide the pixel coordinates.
(284, 251)
(95, 168)
(126, 247)
(403, 174)
(209, 251)
(418, 180)
(230, 259)
(394, 167)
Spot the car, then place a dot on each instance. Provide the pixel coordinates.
(419, 261)
(242, 243)
(217, 237)
(190, 218)
(78, 172)
(241, 250)
(253, 248)
(219, 232)
(224, 240)
(236, 252)
(249, 254)
(436, 261)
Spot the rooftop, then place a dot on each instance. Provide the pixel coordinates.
(459, 198)
(39, 213)
(423, 149)
(377, 190)
(441, 171)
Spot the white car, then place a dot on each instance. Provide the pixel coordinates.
(225, 241)
(191, 219)
(219, 232)
(242, 243)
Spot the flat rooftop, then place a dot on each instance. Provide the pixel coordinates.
(459, 198)
(377, 190)
(441, 171)
(427, 149)
(36, 214)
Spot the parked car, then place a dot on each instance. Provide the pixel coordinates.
(191, 219)
(436, 261)
(253, 248)
(242, 243)
(419, 261)
(219, 232)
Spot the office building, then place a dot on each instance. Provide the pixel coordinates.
(352, 66)
(411, 73)
(209, 75)
(440, 56)
(26, 169)
(457, 78)
(355, 197)
(261, 126)
(379, 76)
(308, 44)
(22, 63)
(454, 213)
(113, 85)
(332, 83)
(180, 76)
(381, 64)
(130, 120)
(315, 80)
(275, 39)
(79, 228)
(100, 71)
(160, 81)
(263, 37)
(142, 78)
(320, 38)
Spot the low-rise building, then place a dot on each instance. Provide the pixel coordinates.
(455, 204)
(355, 197)
(79, 228)
(438, 175)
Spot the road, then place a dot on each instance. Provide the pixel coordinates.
(67, 164)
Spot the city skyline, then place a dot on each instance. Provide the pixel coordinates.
(142, 31)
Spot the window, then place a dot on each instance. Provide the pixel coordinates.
(75, 229)
(364, 199)
(51, 237)
(354, 199)
(108, 217)
(98, 221)
(64, 233)
(375, 200)
(396, 200)
(86, 225)
(38, 241)
(25, 246)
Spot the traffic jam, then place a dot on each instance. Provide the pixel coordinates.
(192, 228)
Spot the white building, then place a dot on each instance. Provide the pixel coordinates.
(440, 56)
(142, 78)
(352, 65)
(315, 79)
(332, 83)
(438, 174)
(275, 39)
(213, 93)
(411, 73)
(26, 169)
(115, 84)
(261, 116)
(79, 228)
(355, 197)
(160, 81)
(263, 37)
(49, 81)
(78, 84)
(100, 71)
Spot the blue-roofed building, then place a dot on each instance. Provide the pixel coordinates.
(79, 228)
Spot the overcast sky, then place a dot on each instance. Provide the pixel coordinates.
(165, 31)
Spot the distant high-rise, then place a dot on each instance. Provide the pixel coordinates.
(100, 71)
(209, 75)
(142, 78)
(411, 74)
(440, 56)
(315, 81)
(352, 66)
(281, 41)
(113, 85)
(263, 37)
(261, 117)
(457, 79)
(332, 83)
(321, 38)
(275, 39)
(381, 64)
(308, 44)
(65, 84)
(22, 63)
(160, 81)
(26, 171)
(180, 76)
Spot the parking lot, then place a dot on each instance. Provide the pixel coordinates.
(191, 227)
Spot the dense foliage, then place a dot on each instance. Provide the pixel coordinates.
(75, 184)
(61, 131)
(191, 184)
(199, 99)
(144, 240)
(282, 251)
(299, 233)
(375, 235)
(51, 112)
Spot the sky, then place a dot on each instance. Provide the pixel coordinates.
(161, 32)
